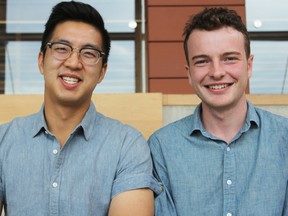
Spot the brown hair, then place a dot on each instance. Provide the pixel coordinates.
(212, 19)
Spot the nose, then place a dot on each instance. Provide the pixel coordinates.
(73, 60)
(216, 70)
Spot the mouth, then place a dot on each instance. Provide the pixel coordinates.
(218, 86)
(70, 80)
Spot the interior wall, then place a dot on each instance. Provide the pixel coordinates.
(165, 20)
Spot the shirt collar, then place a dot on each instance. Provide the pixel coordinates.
(39, 122)
(88, 121)
(251, 117)
(197, 125)
(86, 124)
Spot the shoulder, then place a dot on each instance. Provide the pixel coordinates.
(273, 127)
(174, 131)
(115, 126)
(272, 119)
(19, 129)
(118, 135)
(18, 123)
(176, 126)
(15, 134)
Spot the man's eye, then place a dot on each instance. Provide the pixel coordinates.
(61, 49)
(230, 59)
(201, 62)
(89, 53)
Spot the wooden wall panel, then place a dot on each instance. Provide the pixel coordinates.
(165, 21)
(168, 22)
(171, 86)
(142, 111)
(166, 60)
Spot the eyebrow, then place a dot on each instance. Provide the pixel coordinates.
(87, 45)
(224, 54)
(232, 53)
(199, 56)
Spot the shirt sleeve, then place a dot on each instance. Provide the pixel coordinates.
(1, 185)
(164, 205)
(285, 209)
(2, 129)
(135, 166)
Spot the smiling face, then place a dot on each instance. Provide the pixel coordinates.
(71, 82)
(218, 69)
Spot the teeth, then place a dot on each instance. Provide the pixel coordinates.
(70, 80)
(218, 86)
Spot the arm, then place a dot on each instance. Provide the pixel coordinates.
(1, 207)
(285, 209)
(138, 202)
(164, 205)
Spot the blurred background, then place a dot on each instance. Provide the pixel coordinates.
(131, 63)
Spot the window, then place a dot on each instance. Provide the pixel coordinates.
(267, 23)
(20, 36)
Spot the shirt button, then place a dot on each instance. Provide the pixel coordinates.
(46, 132)
(228, 149)
(54, 185)
(229, 214)
(229, 182)
(55, 151)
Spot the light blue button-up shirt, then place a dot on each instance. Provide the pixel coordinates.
(203, 175)
(101, 159)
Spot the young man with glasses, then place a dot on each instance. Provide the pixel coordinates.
(68, 159)
(229, 157)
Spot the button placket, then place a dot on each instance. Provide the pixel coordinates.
(229, 175)
(54, 184)
(55, 178)
(55, 151)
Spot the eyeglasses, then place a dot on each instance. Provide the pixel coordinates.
(63, 51)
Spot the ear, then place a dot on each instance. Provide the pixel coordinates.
(41, 62)
(250, 65)
(187, 68)
(102, 73)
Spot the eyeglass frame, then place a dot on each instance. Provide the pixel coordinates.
(100, 53)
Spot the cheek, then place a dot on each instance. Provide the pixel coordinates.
(198, 74)
(91, 77)
(237, 71)
(49, 64)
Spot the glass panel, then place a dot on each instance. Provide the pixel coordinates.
(31, 16)
(120, 75)
(268, 15)
(21, 69)
(22, 75)
(270, 67)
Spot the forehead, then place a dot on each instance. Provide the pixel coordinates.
(77, 33)
(223, 39)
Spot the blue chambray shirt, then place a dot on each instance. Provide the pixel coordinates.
(203, 175)
(101, 159)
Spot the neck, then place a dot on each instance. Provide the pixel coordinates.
(224, 123)
(62, 120)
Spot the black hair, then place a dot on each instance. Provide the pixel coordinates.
(76, 11)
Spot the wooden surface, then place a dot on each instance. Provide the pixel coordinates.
(170, 86)
(143, 111)
(192, 99)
